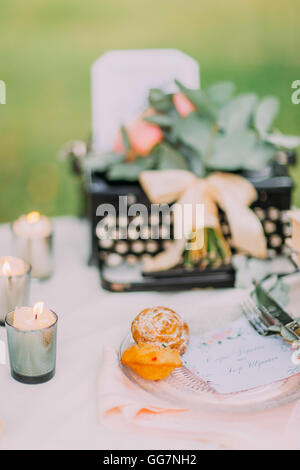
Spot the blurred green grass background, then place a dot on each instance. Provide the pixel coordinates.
(47, 48)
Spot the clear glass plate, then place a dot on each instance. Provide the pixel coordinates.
(186, 390)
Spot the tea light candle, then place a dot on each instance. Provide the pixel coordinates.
(36, 318)
(14, 284)
(33, 239)
(31, 336)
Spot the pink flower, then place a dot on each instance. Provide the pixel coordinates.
(183, 105)
(142, 135)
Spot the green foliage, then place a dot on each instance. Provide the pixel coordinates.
(283, 141)
(265, 114)
(125, 138)
(194, 132)
(101, 162)
(220, 93)
(130, 171)
(205, 106)
(214, 253)
(162, 120)
(160, 101)
(225, 133)
(237, 113)
(169, 159)
(232, 151)
(163, 157)
(261, 154)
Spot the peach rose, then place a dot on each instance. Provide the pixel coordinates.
(183, 105)
(142, 135)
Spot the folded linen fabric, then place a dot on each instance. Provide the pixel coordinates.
(123, 405)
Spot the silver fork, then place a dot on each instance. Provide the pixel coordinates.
(260, 320)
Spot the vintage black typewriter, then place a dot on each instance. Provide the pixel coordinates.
(119, 260)
(115, 100)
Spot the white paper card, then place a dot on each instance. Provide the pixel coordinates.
(121, 81)
(236, 358)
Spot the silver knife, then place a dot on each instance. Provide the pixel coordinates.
(272, 308)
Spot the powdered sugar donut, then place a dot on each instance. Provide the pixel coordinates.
(161, 326)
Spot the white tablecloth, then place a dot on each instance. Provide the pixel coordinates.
(62, 414)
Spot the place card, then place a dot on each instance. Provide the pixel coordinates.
(236, 358)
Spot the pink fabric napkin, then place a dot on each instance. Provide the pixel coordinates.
(125, 406)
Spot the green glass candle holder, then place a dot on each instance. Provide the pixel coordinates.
(32, 354)
(14, 290)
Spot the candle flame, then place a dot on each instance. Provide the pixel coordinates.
(33, 217)
(38, 309)
(6, 269)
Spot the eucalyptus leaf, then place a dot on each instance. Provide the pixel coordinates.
(220, 93)
(169, 159)
(160, 101)
(101, 162)
(205, 107)
(265, 114)
(285, 141)
(232, 150)
(194, 159)
(195, 132)
(162, 120)
(125, 138)
(131, 171)
(196, 165)
(170, 136)
(237, 114)
(261, 155)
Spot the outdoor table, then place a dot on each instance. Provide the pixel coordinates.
(62, 414)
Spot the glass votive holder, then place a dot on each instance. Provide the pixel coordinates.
(38, 252)
(33, 241)
(14, 285)
(32, 353)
